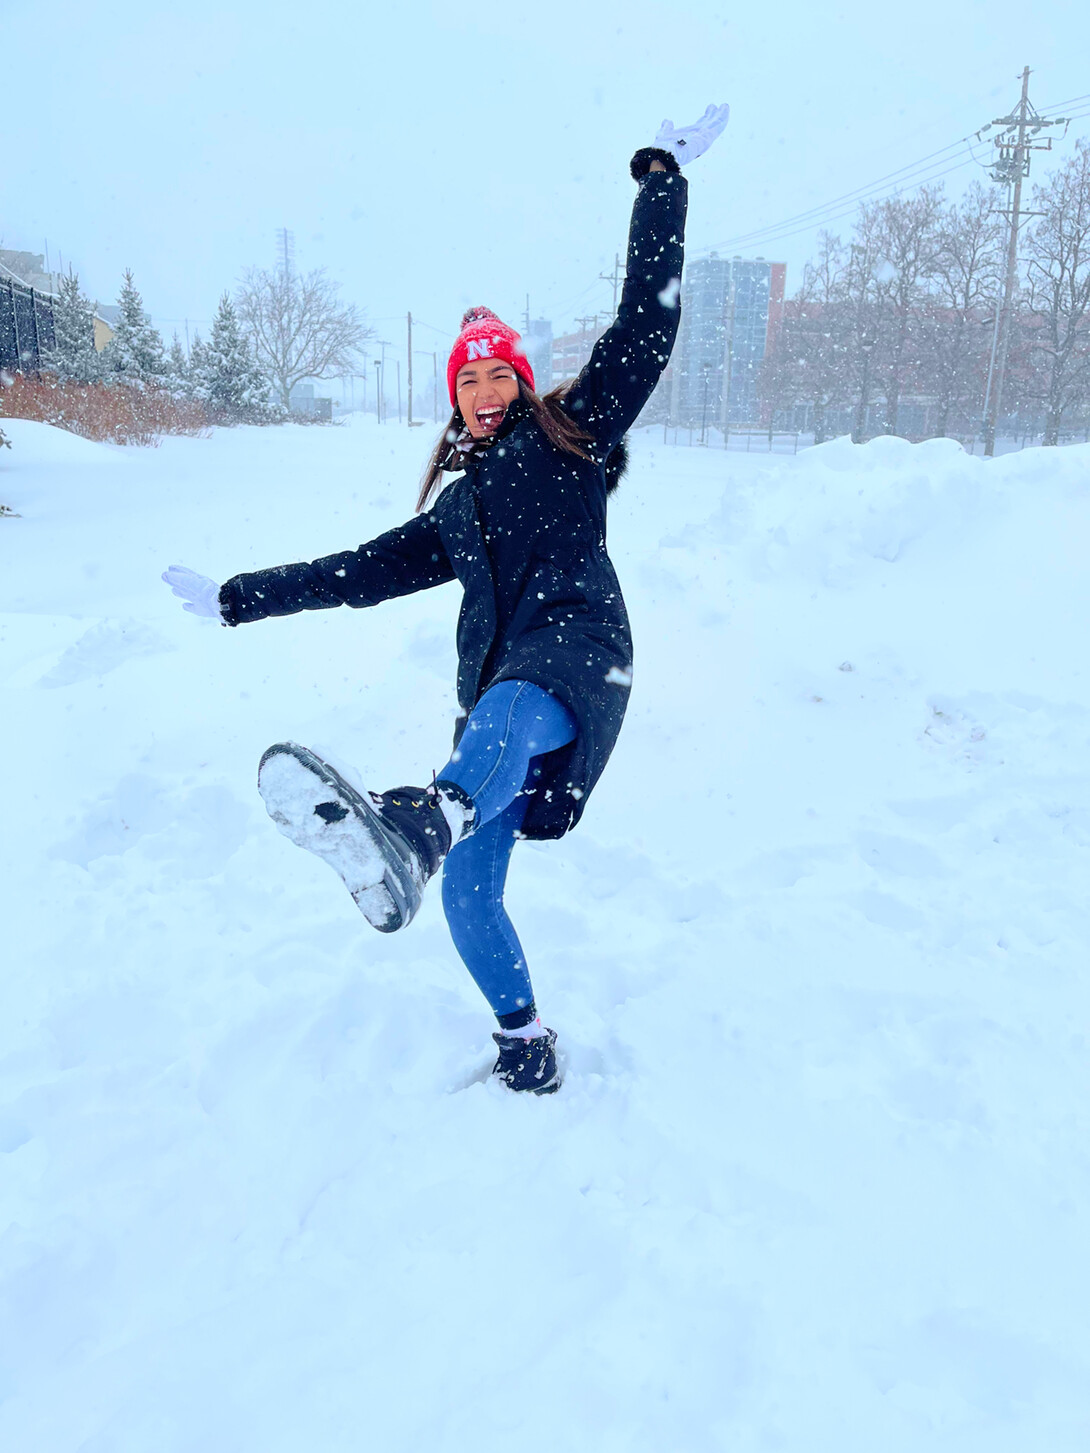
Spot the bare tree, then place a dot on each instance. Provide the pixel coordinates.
(967, 282)
(863, 301)
(778, 384)
(907, 307)
(824, 333)
(907, 236)
(298, 326)
(808, 362)
(1057, 351)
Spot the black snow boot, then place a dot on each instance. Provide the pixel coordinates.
(384, 846)
(528, 1064)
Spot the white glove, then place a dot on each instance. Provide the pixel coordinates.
(201, 595)
(686, 143)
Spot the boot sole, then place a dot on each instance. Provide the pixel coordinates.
(360, 849)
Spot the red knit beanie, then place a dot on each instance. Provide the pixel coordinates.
(484, 336)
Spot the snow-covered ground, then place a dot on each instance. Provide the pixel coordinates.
(818, 1176)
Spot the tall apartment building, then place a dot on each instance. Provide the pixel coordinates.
(729, 309)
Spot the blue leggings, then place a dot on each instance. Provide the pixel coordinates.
(510, 728)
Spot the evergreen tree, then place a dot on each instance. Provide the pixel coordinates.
(237, 390)
(178, 370)
(73, 357)
(135, 353)
(198, 369)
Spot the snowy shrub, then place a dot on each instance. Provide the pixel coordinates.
(5, 443)
(118, 415)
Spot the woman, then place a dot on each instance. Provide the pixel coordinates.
(544, 649)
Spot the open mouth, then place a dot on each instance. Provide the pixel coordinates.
(490, 419)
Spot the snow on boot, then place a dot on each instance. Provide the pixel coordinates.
(384, 847)
(528, 1064)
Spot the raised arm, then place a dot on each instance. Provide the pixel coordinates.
(403, 560)
(628, 360)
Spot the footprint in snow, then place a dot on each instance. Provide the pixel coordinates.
(105, 646)
(191, 832)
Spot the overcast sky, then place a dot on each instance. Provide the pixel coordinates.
(436, 156)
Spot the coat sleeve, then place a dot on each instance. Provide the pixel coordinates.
(628, 360)
(409, 558)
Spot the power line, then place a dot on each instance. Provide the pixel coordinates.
(1060, 105)
(775, 233)
(565, 311)
(443, 332)
(904, 174)
(816, 216)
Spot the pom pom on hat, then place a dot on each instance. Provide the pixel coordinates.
(474, 315)
(485, 336)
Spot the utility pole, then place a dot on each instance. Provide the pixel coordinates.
(1010, 167)
(410, 356)
(378, 392)
(613, 277)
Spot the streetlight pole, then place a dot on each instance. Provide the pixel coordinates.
(728, 363)
(383, 343)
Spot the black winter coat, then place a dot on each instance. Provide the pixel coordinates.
(524, 530)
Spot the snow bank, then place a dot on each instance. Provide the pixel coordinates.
(36, 445)
(817, 957)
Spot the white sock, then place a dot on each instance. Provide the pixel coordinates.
(459, 817)
(533, 1030)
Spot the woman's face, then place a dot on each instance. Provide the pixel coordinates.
(484, 391)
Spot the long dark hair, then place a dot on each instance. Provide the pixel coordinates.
(548, 413)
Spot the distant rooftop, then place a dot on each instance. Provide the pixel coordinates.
(27, 268)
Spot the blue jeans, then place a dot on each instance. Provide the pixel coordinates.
(511, 727)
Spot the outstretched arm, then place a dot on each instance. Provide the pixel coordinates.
(403, 560)
(628, 360)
